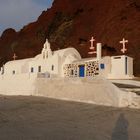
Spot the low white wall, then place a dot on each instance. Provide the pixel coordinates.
(117, 77)
(127, 82)
(17, 85)
(97, 91)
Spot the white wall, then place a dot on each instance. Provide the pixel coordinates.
(130, 66)
(46, 65)
(97, 91)
(19, 66)
(107, 63)
(17, 85)
(118, 67)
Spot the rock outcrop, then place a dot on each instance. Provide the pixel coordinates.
(72, 23)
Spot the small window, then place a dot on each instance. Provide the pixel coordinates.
(102, 66)
(13, 72)
(52, 67)
(117, 57)
(39, 68)
(32, 69)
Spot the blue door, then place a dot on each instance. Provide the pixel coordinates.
(82, 71)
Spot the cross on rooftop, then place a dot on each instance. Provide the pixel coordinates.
(92, 41)
(92, 48)
(93, 52)
(14, 56)
(123, 42)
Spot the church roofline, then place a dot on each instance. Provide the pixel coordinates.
(18, 61)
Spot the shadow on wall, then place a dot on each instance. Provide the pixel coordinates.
(120, 132)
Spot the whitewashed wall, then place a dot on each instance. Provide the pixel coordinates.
(96, 91)
(21, 85)
(107, 63)
(118, 68)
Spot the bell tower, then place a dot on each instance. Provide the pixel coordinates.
(46, 51)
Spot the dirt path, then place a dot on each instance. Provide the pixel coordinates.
(36, 118)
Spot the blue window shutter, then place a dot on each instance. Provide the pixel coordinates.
(102, 66)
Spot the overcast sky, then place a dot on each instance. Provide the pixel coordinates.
(17, 13)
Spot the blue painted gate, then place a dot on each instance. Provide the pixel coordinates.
(82, 71)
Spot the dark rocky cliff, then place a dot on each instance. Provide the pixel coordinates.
(72, 23)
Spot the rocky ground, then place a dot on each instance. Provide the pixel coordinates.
(38, 118)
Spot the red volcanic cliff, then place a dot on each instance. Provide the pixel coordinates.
(72, 23)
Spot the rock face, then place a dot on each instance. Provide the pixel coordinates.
(72, 23)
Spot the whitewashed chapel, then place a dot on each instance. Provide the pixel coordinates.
(68, 63)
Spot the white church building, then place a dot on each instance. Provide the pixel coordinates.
(68, 63)
(63, 74)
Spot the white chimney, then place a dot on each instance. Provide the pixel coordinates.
(99, 51)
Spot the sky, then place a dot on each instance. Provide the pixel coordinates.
(17, 13)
